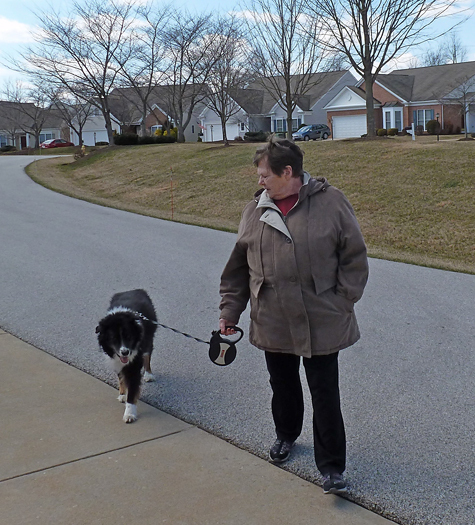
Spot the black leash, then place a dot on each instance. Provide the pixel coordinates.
(182, 333)
(222, 351)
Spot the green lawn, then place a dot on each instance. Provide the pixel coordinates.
(415, 200)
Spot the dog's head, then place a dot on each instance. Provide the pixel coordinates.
(120, 335)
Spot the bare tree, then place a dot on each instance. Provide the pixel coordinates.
(286, 50)
(434, 57)
(143, 68)
(192, 53)
(230, 72)
(455, 50)
(450, 51)
(29, 107)
(81, 53)
(73, 110)
(371, 33)
(413, 63)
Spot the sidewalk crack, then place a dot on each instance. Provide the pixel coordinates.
(51, 467)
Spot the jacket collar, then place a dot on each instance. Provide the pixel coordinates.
(309, 187)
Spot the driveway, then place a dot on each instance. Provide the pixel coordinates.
(407, 386)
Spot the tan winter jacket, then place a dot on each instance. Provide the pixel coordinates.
(302, 273)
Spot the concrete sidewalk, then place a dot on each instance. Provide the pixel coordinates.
(67, 458)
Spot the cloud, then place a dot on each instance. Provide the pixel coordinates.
(253, 16)
(14, 32)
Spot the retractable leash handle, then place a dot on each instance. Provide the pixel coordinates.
(222, 350)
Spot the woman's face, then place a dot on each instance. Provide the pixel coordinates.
(277, 186)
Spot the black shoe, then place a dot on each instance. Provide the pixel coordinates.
(280, 450)
(334, 484)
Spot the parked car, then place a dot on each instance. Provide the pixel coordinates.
(312, 131)
(55, 143)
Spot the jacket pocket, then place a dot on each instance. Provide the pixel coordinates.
(334, 302)
(342, 302)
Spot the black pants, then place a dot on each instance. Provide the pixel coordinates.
(287, 405)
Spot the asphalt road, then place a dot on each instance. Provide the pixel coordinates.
(407, 387)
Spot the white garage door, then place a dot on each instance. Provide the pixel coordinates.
(349, 126)
(214, 132)
(91, 137)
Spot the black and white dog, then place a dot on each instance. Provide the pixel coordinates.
(125, 334)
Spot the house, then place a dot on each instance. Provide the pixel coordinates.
(127, 108)
(54, 127)
(126, 105)
(127, 115)
(212, 129)
(94, 129)
(259, 110)
(408, 96)
(18, 121)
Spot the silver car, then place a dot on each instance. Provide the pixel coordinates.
(312, 131)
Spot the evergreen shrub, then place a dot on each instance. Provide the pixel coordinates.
(255, 136)
(433, 127)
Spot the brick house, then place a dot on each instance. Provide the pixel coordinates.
(408, 96)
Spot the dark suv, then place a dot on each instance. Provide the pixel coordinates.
(312, 131)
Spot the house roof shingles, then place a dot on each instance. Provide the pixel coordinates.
(428, 83)
(13, 118)
(257, 99)
(125, 103)
(400, 85)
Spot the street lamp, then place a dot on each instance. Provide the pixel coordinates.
(438, 126)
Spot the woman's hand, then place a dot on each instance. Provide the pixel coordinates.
(226, 331)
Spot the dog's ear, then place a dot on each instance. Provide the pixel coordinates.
(98, 329)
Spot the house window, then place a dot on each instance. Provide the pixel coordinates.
(393, 119)
(387, 119)
(422, 117)
(296, 123)
(398, 120)
(3, 141)
(242, 126)
(46, 136)
(279, 125)
(192, 128)
(153, 129)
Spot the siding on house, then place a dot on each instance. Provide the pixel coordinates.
(435, 88)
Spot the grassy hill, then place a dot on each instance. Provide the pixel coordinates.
(415, 200)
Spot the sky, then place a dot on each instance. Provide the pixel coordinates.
(18, 22)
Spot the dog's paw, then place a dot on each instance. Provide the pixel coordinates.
(130, 414)
(122, 398)
(148, 377)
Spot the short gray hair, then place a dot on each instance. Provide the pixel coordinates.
(280, 153)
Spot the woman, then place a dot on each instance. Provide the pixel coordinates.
(300, 259)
